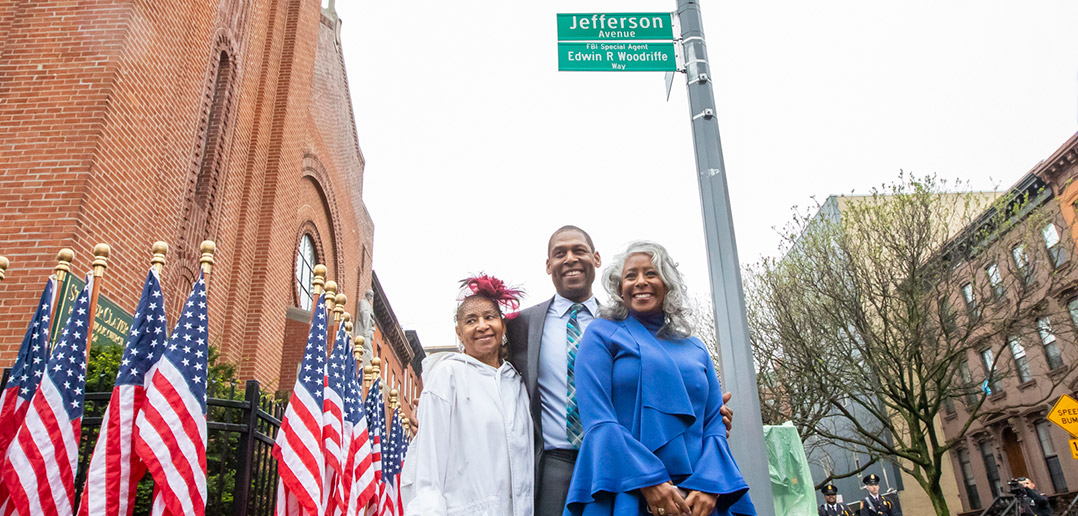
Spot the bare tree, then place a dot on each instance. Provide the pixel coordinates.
(810, 413)
(855, 332)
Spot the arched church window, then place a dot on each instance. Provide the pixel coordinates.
(305, 260)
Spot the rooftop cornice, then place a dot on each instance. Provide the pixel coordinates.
(1050, 170)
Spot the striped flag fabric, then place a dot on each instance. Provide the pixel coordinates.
(170, 428)
(26, 374)
(115, 468)
(376, 421)
(359, 484)
(333, 447)
(41, 462)
(298, 449)
(391, 468)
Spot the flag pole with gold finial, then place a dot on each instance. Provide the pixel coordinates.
(338, 314)
(4, 263)
(206, 261)
(59, 273)
(368, 374)
(318, 284)
(100, 263)
(160, 249)
(347, 318)
(347, 322)
(331, 302)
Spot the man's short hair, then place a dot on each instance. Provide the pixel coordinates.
(563, 229)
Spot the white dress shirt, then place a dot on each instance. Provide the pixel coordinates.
(554, 367)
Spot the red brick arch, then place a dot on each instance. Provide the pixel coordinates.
(316, 173)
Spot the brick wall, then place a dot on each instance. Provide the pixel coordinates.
(118, 125)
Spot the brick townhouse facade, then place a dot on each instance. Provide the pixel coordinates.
(1027, 356)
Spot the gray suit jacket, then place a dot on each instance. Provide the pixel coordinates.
(525, 337)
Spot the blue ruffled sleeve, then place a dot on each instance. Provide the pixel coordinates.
(610, 459)
(715, 470)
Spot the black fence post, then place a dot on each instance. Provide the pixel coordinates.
(246, 449)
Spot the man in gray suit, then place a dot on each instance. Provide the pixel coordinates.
(539, 341)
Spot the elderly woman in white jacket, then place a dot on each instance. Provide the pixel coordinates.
(473, 453)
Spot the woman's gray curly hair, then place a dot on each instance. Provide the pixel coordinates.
(676, 311)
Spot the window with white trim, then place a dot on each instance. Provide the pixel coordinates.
(1053, 244)
(1021, 361)
(305, 260)
(1022, 262)
(1051, 348)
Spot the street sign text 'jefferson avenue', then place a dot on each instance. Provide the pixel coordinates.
(615, 27)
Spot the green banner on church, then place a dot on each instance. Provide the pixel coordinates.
(111, 323)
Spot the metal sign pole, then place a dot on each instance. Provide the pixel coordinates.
(728, 300)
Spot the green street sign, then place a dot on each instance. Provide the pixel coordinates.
(615, 26)
(617, 57)
(111, 323)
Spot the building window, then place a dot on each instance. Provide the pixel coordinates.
(991, 379)
(995, 280)
(967, 381)
(1072, 307)
(948, 316)
(967, 476)
(305, 260)
(1022, 262)
(948, 406)
(1021, 362)
(1051, 242)
(991, 469)
(1051, 347)
(215, 126)
(971, 300)
(1055, 470)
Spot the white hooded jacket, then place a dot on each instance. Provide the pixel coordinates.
(473, 453)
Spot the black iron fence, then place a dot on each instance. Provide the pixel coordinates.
(240, 427)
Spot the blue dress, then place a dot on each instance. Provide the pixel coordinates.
(650, 409)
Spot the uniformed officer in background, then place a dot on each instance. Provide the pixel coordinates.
(832, 507)
(874, 504)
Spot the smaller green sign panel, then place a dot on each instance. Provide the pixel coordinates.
(614, 26)
(111, 323)
(617, 57)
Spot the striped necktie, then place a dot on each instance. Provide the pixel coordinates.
(574, 430)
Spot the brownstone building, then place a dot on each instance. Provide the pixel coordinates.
(400, 354)
(1027, 357)
(131, 121)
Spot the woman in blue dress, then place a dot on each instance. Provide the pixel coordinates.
(648, 397)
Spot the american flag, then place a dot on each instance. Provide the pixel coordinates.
(391, 468)
(39, 470)
(333, 422)
(359, 483)
(376, 420)
(26, 373)
(115, 469)
(170, 435)
(298, 449)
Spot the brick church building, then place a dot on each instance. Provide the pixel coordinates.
(131, 121)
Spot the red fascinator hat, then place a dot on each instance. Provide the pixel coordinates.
(494, 289)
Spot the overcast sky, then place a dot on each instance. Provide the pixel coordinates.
(477, 147)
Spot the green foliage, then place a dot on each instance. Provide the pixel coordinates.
(102, 367)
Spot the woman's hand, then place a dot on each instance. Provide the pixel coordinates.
(665, 500)
(701, 503)
(727, 413)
